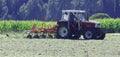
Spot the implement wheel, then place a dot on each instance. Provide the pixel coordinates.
(29, 36)
(35, 35)
(43, 36)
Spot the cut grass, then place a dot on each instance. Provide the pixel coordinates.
(19, 47)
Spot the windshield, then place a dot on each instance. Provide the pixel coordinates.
(81, 17)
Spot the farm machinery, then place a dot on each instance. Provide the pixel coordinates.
(41, 32)
(72, 25)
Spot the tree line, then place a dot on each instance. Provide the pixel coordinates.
(51, 9)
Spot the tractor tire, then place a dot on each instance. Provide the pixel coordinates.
(101, 36)
(89, 34)
(63, 32)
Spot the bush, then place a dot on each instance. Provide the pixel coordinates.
(113, 25)
(99, 16)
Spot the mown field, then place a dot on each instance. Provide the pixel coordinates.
(17, 46)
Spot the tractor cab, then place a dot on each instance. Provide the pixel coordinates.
(74, 15)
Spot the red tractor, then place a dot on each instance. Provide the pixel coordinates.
(74, 23)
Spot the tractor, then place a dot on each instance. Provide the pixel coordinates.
(75, 23)
(72, 25)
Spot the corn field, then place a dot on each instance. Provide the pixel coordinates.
(17, 26)
(5, 26)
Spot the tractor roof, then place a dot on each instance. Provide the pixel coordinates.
(69, 11)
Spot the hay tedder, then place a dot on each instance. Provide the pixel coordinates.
(72, 25)
(41, 32)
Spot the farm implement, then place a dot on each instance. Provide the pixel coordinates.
(41, 32)
(72, 25)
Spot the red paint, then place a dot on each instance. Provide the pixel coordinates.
(87, 24)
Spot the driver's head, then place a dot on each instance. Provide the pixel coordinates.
(71, 13)
(66, 13)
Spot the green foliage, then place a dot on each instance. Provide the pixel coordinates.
(113, 25)
(99, 16)
(21, 25)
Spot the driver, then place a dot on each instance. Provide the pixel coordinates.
(72, 17)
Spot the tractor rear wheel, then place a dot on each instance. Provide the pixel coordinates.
(63, 31)
(89, 34)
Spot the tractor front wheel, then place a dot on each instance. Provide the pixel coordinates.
(89, 34)
(101, 36)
